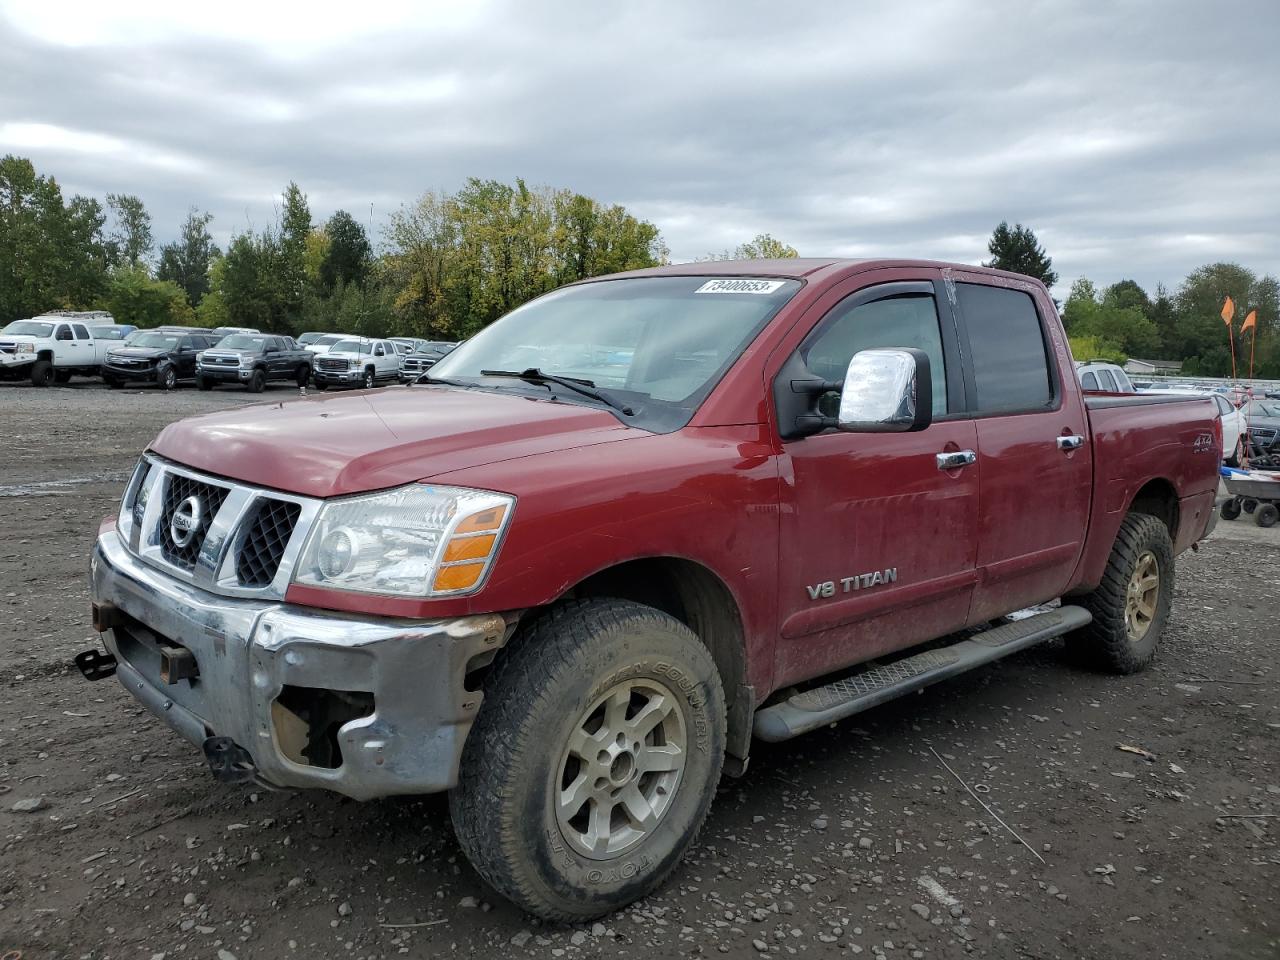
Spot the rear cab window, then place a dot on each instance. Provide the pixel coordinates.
(1011, 368)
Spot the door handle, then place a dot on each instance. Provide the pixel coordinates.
(956, 459)
(1070, 443)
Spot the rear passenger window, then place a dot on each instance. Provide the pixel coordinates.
(909, 321)
(1107, 380)
(1010, 359)
(82, 332)
(1089, 381)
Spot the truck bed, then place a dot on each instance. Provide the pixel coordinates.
(1141, 444)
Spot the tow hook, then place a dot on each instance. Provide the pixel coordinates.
(95, 665)
(228, 761)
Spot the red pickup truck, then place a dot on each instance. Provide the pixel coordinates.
(571, 572)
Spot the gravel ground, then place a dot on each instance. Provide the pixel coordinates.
(852, 841)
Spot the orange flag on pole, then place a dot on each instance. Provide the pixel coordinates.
(1250, 321)
(1228, 310)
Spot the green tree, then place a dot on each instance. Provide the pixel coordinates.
(1127, 293)
(130, 242)
(349, 254)
(765, 247)
(1100, 324)
(1164, 314)
(1202, 336)
(188, 260)
(1019, 251)
(134, 297)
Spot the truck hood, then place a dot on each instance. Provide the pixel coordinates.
(353, 443)
(139, 353)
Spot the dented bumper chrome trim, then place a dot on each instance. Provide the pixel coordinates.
(248, 650)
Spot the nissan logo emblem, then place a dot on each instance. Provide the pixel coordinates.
(186, 521)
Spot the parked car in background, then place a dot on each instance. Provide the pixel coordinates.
(1099, 376)
(306, 339)
(1263, 420)
(112, 331)
(357, 361)
(163, 357)
(227, 331)
(415, 364)
(322, 343)
(253, 360)
(52, 347)
(572, 601)
(1234, 432)
(406, 345)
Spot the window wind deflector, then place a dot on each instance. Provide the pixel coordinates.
(585, 387)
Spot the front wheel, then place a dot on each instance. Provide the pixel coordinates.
(369, 380)
(1236, 455)
(41, 373)
(169, 379)
(1131, 605)
(258, 381)
(593, 761)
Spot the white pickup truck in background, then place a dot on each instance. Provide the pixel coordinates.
(53, 346)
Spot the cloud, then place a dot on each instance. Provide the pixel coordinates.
(1134, 144)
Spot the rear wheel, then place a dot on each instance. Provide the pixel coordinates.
(1236, 455)
(41, 373)
(1266, 515)
(1131, 605)
(258, 381)
(593, 761)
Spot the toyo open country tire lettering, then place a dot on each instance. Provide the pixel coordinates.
(594, 760)
(1131, 605)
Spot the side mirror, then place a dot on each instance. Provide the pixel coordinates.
(886, 391)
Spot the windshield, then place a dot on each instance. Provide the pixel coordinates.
(1263, 408)
(156, 341)
(326, 341)
(349, 346)
(659, 344)
(307, 338)
(29, 328)
(242, 341)
(108, 333)
(434, 347)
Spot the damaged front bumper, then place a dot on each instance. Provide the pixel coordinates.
(364, 707)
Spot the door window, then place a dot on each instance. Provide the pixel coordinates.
(82, 332)
(64, 333)
(905, 321)
(1089, 381)
(1107, 380)
(1007, 343)
(378, 351)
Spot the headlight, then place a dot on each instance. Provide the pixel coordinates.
(20, 347)
(416, 541)
(246, 361)
(200, 356)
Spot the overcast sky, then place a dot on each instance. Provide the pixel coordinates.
(1136, 139)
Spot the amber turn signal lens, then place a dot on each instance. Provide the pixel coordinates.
(460, 577)
(490, 519)
(469, 548)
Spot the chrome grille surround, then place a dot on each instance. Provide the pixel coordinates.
(143, 521)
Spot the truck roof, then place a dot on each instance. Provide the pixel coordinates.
(798, 268)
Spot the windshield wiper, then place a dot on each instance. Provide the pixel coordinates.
(585, 387)
(426, 377)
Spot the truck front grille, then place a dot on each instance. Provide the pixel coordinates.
(220, 535)
(198, 503)
(268, 534)
(331, 365)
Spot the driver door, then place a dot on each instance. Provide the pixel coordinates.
(879, 540)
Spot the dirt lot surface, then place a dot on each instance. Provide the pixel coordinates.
(851, 841)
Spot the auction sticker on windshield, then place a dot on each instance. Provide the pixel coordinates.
(740, 285)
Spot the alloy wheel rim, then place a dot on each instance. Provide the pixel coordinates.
(1142, 596)
(621, 768)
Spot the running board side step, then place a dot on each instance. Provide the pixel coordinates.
(868, 688)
